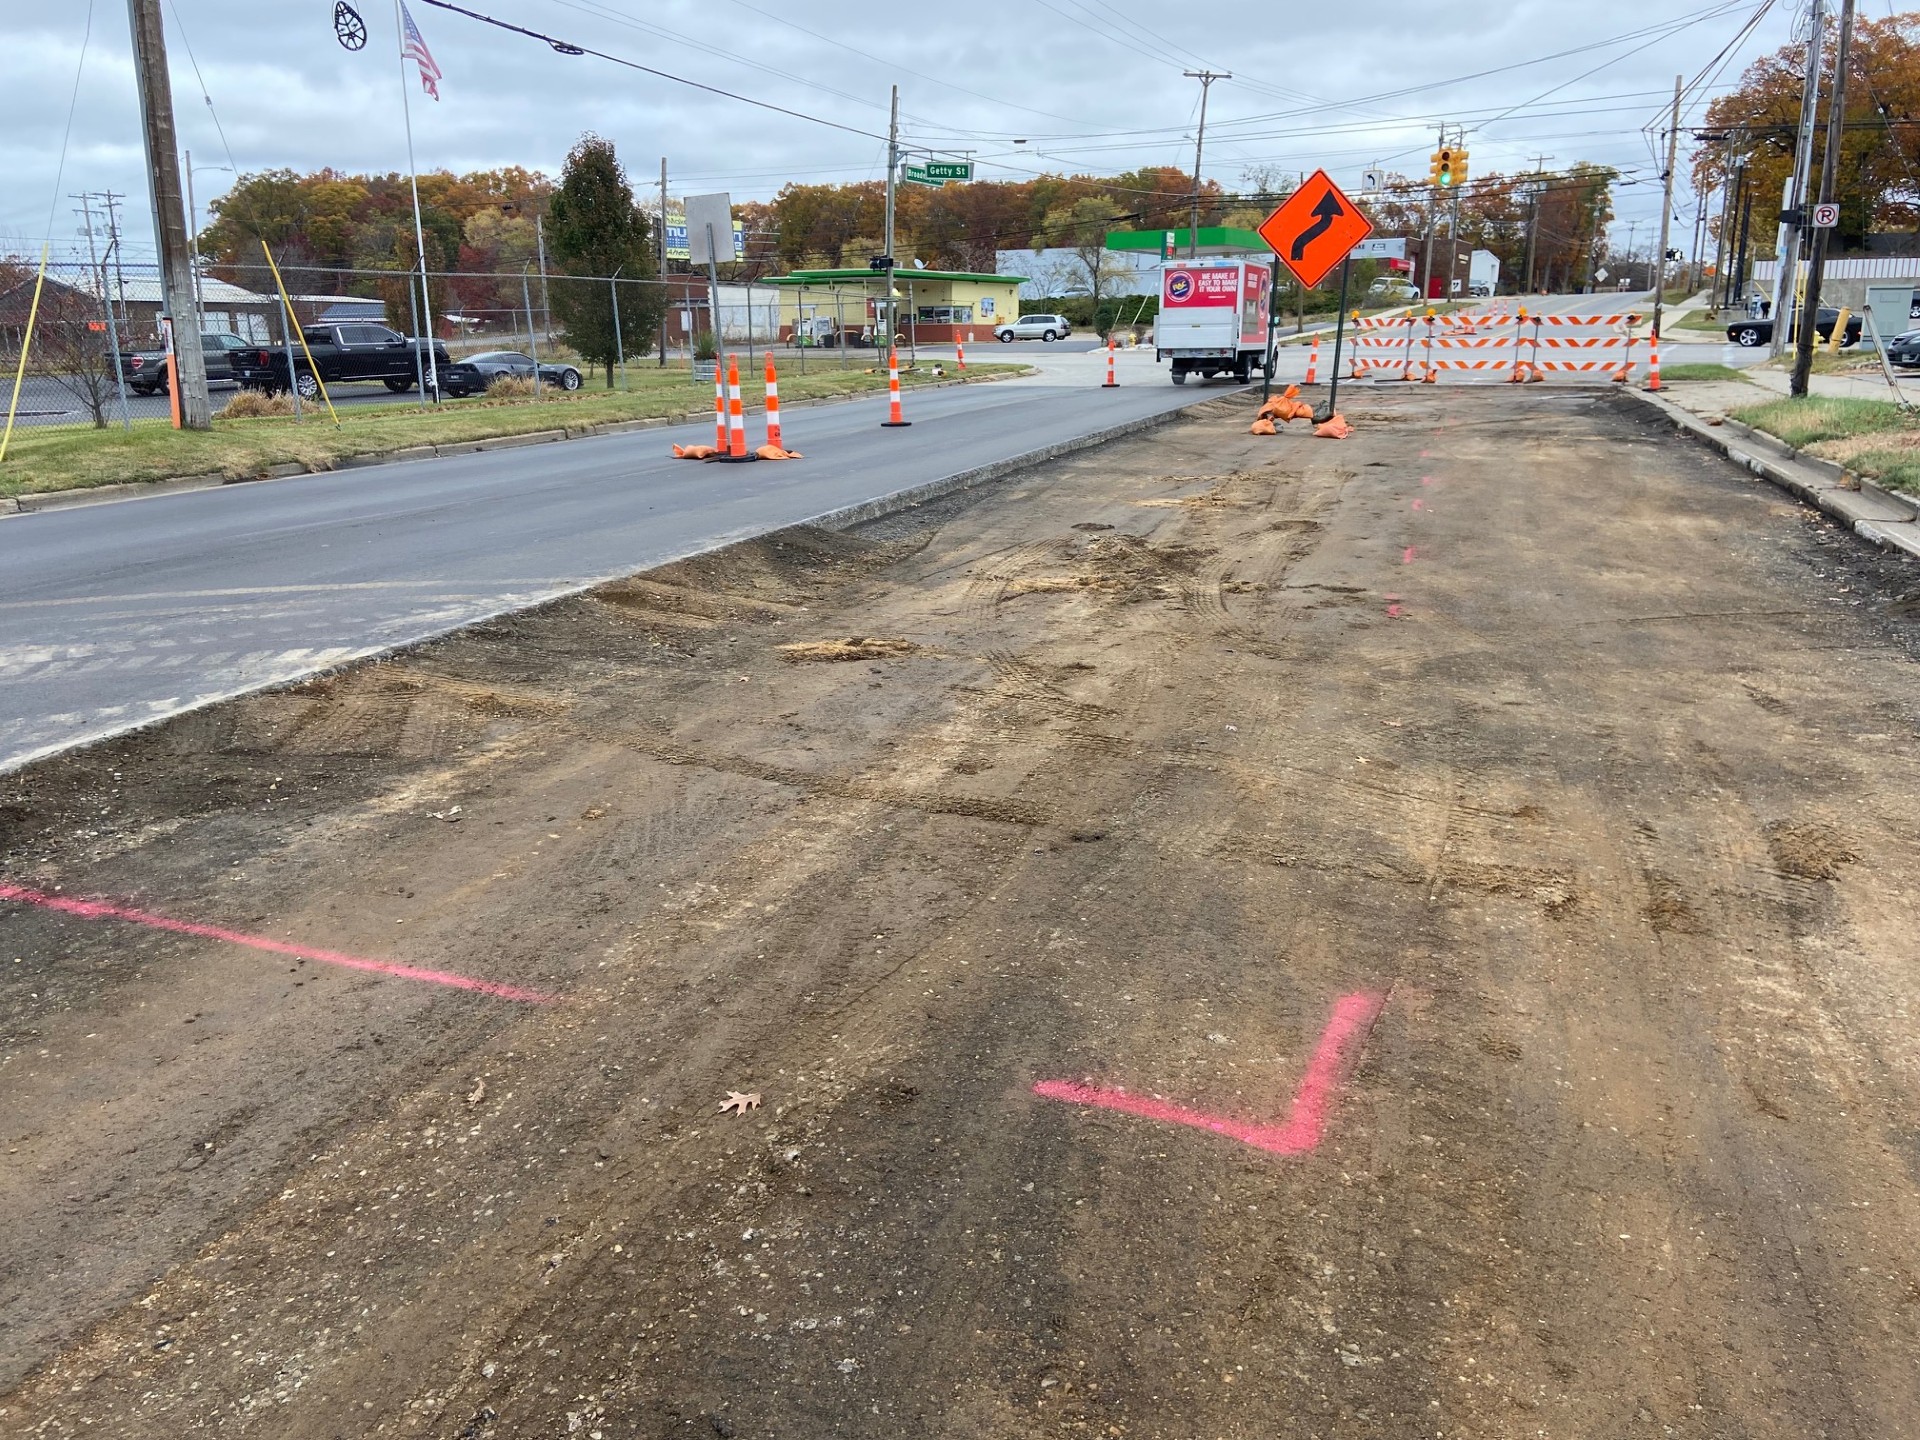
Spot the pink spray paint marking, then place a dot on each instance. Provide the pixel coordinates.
(1353, 1017)
(102, 910)
(1393, 607)
(1419, 504)
(1406, 556)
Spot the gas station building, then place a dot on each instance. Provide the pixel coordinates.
(935, 306)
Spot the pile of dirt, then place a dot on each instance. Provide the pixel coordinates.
(1811, 851)
(854, 647)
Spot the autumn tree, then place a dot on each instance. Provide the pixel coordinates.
(1082, 228)
(595, 229)
(1879, 164)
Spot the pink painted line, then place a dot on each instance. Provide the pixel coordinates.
(1353, 1017)
(102, 910)
(1406, 556)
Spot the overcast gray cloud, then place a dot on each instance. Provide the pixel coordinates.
(1091, 85)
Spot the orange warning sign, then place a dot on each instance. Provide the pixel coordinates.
(1315, 229)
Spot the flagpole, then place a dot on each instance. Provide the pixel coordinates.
(419, 231)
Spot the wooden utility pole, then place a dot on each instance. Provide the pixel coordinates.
(1206, 79)
(1794, 201)
(1666, 207)
(169, 213)
(666, 295)
(1809, 330)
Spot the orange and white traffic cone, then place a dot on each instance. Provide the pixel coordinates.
(893, 420)
(736, 417)
(1112, 382)
(719, 407)
(773, 405)
(1313, 363)
(1653, 364)
(959, 354)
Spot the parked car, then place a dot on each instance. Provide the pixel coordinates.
(340, 353)
(1034, 327)
(1904, 350)
(1758, 330)
(146, 370)
(1388, 290)
(473, 374)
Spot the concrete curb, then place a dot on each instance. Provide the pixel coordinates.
(1888, 520)
(37, 501)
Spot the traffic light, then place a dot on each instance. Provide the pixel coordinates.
(1459, 167)
(1443, 167)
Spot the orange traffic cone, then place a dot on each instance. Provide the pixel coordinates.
(736, 447)
(1653, 365)
(1112, 383)
(959, 353)
(773, 406)
(719, 407)
(893, 420)
(1313, 363)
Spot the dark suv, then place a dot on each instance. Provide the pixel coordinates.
(1759, 330)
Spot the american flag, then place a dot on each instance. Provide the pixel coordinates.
(414, 48)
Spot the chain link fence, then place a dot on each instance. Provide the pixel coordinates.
(96, 355)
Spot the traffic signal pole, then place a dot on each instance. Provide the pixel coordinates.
(1666, 206)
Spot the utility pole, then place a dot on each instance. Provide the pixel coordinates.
(1533, 217)
(665, 294)
(546, 299)
(1722, 246)
(1433, 223)
(1786, 272)
(169, 216)
(1666, 206)
(99, 272)
(193, 232)
(111, 199)
(1206, 79)
(1829, 191)
(893, 179)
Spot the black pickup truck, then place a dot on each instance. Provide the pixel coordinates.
(146, 370)
(341, 353)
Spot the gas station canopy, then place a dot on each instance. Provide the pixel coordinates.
(1215, 240)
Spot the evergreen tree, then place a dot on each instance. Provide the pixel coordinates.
(595, 228)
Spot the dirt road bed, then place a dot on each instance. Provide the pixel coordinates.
(1230, 937)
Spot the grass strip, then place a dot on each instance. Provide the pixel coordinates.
(1874, 438)
(1706, 371)
(71, 458)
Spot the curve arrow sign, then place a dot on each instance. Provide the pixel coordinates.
(1326, 212)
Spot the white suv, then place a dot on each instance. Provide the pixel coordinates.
(1035, 327)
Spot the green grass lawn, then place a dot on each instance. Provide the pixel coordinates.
(1672, 373)
(70, 458)
(1874, 438)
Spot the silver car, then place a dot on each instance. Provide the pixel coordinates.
(1034, 327)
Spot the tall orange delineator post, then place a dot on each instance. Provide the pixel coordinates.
(773, 405)
(736, 448)
(1313, 364)
(1112, 383)
(1653, 362)
(959, 353)
(893, 420)
(719, 406)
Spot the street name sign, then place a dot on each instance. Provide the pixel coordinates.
(939, 172)
(1314, 229)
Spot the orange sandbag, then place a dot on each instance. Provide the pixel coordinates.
(1262, 426)
(1335, 429)
(694, 452)
(1285, 408)
(774, 452)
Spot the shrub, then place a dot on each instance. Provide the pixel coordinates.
(257, 405)
(510, 387)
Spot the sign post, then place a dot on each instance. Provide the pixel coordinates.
(1315, 229)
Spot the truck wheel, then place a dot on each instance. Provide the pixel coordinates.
(1179, 377)
(307, 385)
(399, 387)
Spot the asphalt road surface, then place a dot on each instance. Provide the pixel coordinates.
(116, 615)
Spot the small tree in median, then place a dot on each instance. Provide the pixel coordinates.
(594, 228)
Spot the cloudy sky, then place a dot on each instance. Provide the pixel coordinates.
(1092, 85)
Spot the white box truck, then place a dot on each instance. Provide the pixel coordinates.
(1213, 318)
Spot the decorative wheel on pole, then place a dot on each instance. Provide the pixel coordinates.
(348, 28)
